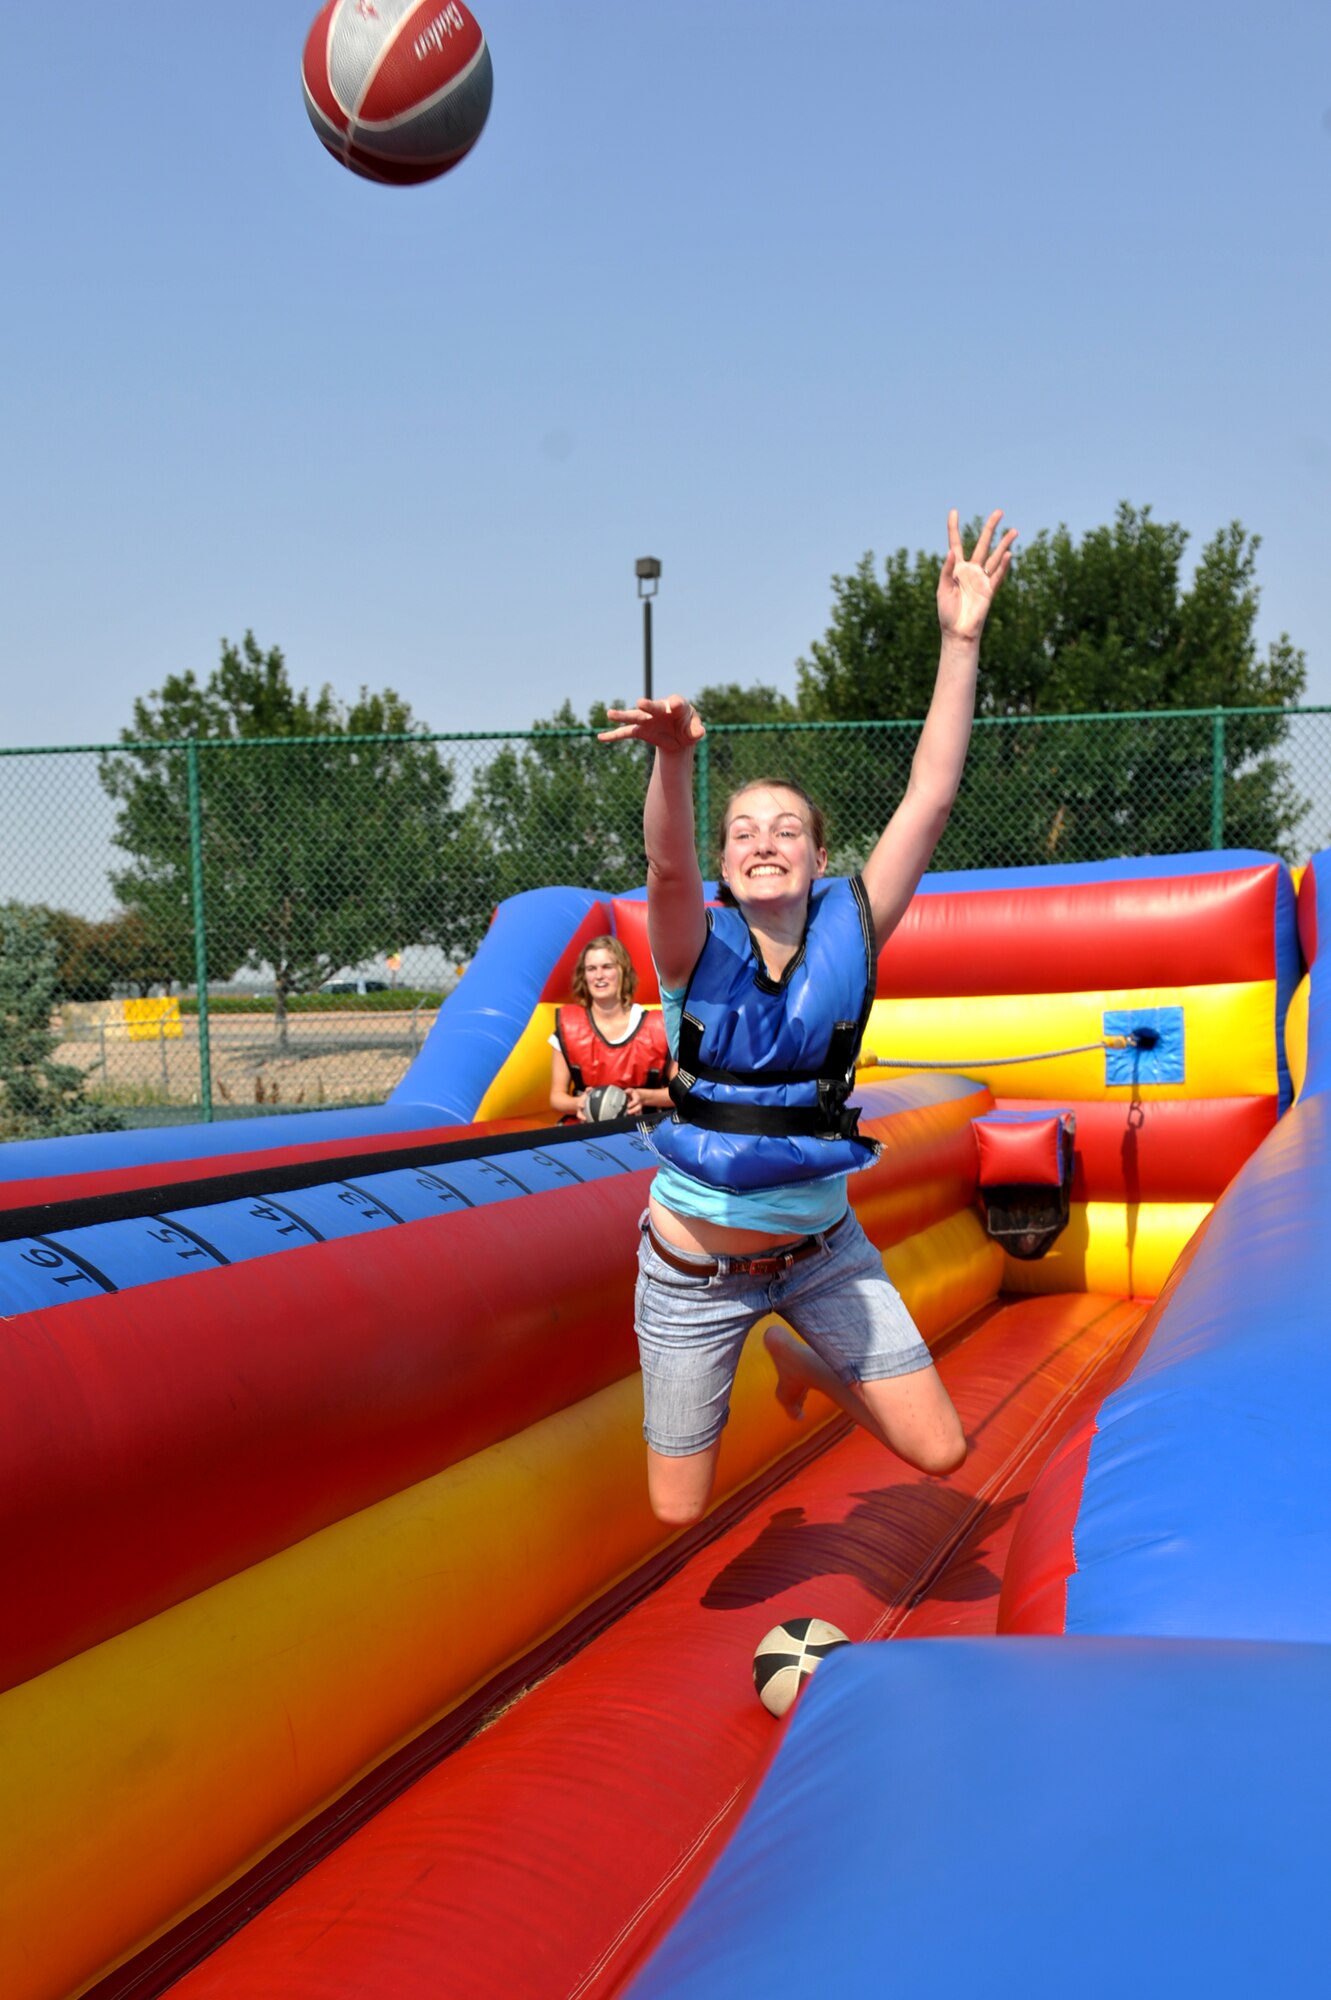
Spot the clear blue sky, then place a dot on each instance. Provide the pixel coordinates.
(748, 287)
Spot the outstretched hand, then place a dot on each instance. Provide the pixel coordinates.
(672, 724)
(966, 584)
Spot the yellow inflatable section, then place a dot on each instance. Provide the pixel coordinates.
(1229, 1040)
(1127, 1249)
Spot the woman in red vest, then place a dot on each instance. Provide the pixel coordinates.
(606, 1038)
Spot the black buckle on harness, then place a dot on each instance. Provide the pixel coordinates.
(775, 1121)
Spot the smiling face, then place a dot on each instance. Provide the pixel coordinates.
(770, 858)
(601, 971)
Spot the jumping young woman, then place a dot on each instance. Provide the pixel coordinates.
(765, 1001)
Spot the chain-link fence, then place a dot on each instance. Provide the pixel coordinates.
(307, 903)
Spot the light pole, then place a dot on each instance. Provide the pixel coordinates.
(648, 572)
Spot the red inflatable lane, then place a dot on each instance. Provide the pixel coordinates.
(1173, 930)
(1172, 1149)
(122, 1417)
(1043, 1555)
(963, 1602)
(546, 1855)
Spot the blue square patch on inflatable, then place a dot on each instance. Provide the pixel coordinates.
(1155, 1056)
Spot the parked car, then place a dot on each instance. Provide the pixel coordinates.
(356, 986)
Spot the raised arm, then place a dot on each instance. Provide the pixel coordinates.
(676, 914)
(966, 587)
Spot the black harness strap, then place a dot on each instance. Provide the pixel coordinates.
(834, 1068)
(775, 1121)
(576, 1084)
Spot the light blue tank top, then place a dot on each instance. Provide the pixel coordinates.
(802, 1210)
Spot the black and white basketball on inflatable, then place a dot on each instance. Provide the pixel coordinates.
(397, 90)
(788, 1655)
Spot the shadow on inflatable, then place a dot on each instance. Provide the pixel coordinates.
(342, 1653)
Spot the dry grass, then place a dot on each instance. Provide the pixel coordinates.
(327, 1059)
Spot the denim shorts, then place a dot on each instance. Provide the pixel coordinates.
(691, 1329)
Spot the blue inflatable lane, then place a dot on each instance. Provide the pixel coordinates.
(44, 1269)
(479, 1027)
(161, 1146)
(36, 1273)
(1033, 1817)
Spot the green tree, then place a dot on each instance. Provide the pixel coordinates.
(39, 1097)
(563, 808)
(727, 702)
(82, 970)
(1096, 627)
(93, 958)
(317, 853)
(134, 955)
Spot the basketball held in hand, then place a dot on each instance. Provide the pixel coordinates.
(397, 90)
(607, 1100)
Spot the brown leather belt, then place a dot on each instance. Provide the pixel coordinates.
(753, 1267)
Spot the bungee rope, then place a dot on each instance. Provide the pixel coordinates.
(1140, 1038)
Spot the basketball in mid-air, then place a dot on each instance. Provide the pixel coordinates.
(788, 1655)
(397, 90)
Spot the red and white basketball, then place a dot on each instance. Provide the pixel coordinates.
(397, 90)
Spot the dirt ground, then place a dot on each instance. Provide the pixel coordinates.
(329, 1058)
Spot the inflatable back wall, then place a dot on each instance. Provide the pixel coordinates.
(993, 975)
(1201, 951)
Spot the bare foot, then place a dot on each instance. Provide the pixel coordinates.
(791, 1385)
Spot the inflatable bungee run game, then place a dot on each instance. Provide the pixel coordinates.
(342, 1655)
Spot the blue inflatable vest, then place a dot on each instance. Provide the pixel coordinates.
(766, 1065)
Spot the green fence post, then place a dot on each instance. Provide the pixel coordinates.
(200, 938)
(1218, 778)
(703, 782)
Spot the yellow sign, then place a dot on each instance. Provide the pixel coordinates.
(153, 1020)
